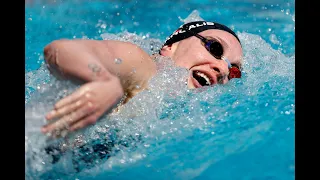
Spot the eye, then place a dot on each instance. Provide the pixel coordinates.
(214, 47)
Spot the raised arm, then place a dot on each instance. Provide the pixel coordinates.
(109, 69)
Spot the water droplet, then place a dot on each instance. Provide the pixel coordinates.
(146, 145)
(103, 26)
(118, 61)
(137, 87)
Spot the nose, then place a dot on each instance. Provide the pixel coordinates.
(221, 67)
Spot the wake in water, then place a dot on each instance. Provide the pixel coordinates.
(170, 132)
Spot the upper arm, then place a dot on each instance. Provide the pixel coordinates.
(135, 68)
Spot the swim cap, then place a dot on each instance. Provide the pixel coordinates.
(196, 27)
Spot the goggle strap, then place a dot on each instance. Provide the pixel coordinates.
(226, 60)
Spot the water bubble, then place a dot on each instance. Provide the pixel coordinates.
(133, 70)
(135, 23)
(287, 12)
(146, 145)
(274, 39)
(118, 60)
(103, 26)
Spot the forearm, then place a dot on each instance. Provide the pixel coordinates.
(75, 60)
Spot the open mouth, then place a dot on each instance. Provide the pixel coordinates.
(202, 78)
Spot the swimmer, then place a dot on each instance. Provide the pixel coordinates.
(210, 51)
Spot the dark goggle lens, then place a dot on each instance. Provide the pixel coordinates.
(234, 72)
(216, 49)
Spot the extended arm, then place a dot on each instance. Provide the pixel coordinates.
(92, 62)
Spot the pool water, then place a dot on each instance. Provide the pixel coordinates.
(242, 130)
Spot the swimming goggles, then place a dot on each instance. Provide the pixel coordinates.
(216, 50)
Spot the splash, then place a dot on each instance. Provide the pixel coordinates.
(168, 130)
(193, 16)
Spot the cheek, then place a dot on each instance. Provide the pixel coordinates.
(189, 57)
(181, 57)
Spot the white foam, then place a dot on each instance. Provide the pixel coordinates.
(167, 112)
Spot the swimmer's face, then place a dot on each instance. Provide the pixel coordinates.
(204, 68)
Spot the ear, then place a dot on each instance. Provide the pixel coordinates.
(167, 50)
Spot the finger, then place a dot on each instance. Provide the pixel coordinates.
(56, 113)
(58, 133)
(71, 98)
(67, 120)
(90, 119)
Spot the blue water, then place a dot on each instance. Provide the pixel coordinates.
(243, 130)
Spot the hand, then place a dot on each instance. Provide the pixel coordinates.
(84, 106)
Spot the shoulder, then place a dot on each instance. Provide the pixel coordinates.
(131, 55)
(135, 66)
